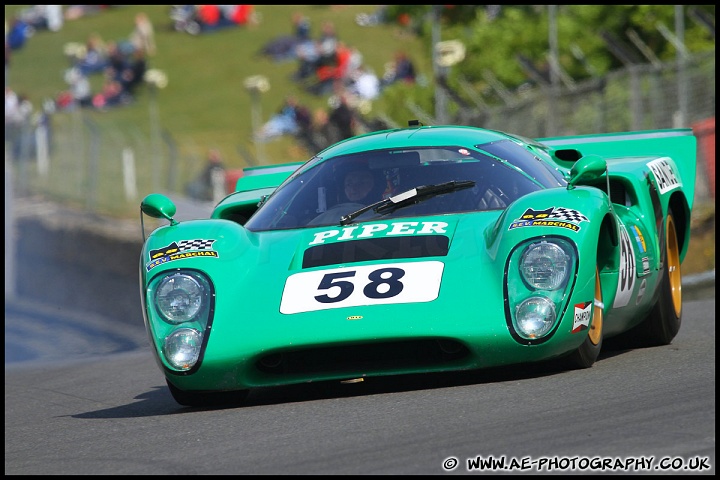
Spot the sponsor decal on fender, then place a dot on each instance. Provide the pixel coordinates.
(180, 250)
(664, 175)
(645, 265)
(581, 319)
(551, 217)
(639, 239)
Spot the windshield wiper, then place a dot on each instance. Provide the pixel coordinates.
(409, 197)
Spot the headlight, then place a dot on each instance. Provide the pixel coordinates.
(534, 317)
(540, 278)
(182, 348)
(545, 266)
(181, 296)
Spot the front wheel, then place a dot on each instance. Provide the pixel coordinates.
(588, 352)
(206, 399)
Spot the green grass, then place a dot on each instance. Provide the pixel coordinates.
(205, 104)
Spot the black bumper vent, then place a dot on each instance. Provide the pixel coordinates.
(386, 248)
(426, 353)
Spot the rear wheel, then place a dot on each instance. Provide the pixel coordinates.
(206, 399)
(663, 323)
(588, 352)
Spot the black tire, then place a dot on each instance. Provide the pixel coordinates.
(587, 353)
(206, 399)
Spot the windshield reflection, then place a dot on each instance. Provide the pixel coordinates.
(323, 192)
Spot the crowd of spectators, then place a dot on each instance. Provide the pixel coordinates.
(43, 17)
(34, 18)
(197, 19)
(327, 66)
(122, 63)
(320, 128)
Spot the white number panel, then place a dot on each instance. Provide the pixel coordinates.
(362, 285)
(626, 274)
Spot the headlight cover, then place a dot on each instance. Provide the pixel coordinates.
(544, 265)
(182, 348)
(535, 317)
(540, 276)
(180, 307)
(180, 297)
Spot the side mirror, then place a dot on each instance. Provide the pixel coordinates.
(159, 206)
(587, 168)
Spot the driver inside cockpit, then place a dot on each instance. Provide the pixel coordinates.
(358, 184)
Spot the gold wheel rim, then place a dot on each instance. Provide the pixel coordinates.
(595, 333)
(673, 266)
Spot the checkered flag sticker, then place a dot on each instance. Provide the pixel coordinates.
(184, 245)
(568, 214)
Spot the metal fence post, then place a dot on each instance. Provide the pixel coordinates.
(94, 158)
(172, 164)
(9, 230)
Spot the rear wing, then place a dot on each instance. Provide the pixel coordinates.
(267, 176)
(254, 184)
(679, 144)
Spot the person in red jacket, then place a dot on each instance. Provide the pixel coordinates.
(242, 13)
(208, 15)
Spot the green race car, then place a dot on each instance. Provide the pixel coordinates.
(422, 249)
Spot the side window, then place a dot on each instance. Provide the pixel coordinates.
(525, 161)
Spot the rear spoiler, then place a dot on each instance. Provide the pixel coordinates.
(267, 176)
(679, 144)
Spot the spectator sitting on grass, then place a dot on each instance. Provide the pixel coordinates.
(401, 69)
(143, 35)
(95, 59)
(285, 47)
(79, 93)
(112, 95)
(291, 118)
(365, 84)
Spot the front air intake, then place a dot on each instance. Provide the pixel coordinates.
(366, 357)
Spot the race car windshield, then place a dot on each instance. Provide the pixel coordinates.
(410, 197)
(394, 183)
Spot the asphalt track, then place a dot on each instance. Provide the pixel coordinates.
(85, 397)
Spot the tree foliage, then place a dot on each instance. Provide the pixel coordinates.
(512, 43)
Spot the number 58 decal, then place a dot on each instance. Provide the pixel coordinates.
(362, 285)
